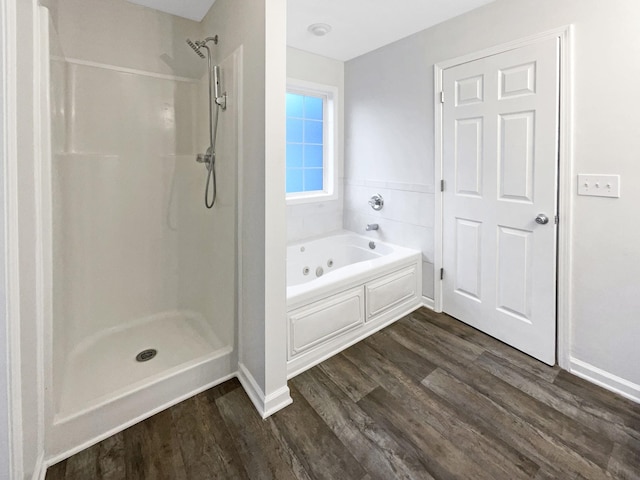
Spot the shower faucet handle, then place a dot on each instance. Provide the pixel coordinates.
(376, 202)
(204, 158)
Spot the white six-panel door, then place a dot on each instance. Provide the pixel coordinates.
(500, 151)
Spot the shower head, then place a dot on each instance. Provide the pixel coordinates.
(196, 47)
(198, 44)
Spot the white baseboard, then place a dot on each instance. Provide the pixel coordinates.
(277, 401)
(251, 387)
(266, 405)
(605, 379)
(428, 302)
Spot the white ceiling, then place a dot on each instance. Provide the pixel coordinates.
(191, 9)
(360, 26)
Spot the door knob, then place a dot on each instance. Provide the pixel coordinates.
(542, 219)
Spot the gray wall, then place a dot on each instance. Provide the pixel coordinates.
(256, 26)
(235, 26)
(389, 138)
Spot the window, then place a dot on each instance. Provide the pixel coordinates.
(310, 173)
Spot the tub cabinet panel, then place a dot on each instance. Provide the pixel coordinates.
(391, 291)
(325, 319)
(361, 296)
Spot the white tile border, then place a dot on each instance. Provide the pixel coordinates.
(405, 187)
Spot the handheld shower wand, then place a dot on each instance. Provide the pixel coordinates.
(220, 99)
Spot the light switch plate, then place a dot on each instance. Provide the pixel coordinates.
(599, 185)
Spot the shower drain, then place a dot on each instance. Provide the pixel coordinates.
(146, 355)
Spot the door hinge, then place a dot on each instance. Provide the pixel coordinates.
(442, 274)
(442, 97)
(442, 185)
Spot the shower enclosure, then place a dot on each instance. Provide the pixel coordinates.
(143, 276)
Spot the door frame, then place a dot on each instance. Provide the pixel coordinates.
(566, 185)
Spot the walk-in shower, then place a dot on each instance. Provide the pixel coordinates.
(143, 308)
(220, 101)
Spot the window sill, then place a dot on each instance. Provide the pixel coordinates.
(310, 197)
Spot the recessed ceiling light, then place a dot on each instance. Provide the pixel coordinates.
(319, 29)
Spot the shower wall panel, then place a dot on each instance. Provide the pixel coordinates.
(117, 198)
(59, 113)
(130, 114)
(116, 32)
(207, 237)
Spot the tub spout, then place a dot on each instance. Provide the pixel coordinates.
(372, 226)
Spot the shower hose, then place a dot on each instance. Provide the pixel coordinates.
(211, 167)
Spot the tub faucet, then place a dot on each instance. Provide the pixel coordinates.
(372, 226)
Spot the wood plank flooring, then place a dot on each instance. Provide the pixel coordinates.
(426, 398)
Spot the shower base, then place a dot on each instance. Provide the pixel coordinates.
(104, 387)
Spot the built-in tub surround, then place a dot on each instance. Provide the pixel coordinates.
(342, 288)
(406, 219)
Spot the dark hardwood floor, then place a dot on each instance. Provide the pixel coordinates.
(426, 398)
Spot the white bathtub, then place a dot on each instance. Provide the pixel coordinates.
(341, 289)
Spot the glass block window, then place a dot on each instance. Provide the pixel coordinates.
(306, 126)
